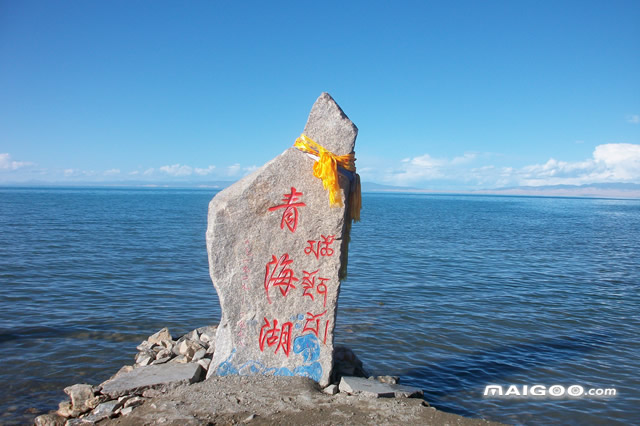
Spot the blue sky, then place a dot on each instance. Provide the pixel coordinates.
(447, 95)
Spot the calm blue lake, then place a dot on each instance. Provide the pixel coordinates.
(452, 293)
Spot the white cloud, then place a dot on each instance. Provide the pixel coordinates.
(203, 172)
(466, 158)
(79, 173)
(177, 170)
(234, 169)
(428, 168)
(614, 162)
(633, 118)
(7, 164)
(112, 172)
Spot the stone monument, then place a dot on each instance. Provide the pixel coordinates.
(277, 242)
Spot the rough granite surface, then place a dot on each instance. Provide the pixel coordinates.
(276, 249)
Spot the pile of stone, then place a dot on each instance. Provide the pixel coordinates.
(163, 363)
(160, 364)
(197, 346)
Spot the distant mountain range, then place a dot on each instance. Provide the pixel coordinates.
(597, 190)
(219, 184)
(376, 187)
(594, 190)
(606, 190)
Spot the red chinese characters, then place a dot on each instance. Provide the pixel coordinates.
(309, 284)
(272, 335)
(290, 206)
(320, 247)
(279, 275)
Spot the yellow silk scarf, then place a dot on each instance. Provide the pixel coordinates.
(326, 168)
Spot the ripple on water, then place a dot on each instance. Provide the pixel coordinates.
(450, 292)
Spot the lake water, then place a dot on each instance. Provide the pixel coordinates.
(452, 293)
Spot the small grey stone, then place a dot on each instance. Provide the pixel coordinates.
(145, 357)
(105, 409)
(249, 418)
(208, 329)
(199, 354)
(188, 348)
(82, 399)
(51, 419)
(101, 412)
(162, 360)
(175, 349)
(80, 421)
(65, 410)
(331, 390)
(164, 353)
(180, 359)
(144, 346)
(161, 336)
(126, 411)
(205, 362)
(144, 360)
(194, 335)
(134, 402)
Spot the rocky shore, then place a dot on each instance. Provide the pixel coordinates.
(167, 385)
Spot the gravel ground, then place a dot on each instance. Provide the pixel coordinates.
(262, 400)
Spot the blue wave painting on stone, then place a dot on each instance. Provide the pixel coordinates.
(226, 368)
(313, 371)
(308, 346)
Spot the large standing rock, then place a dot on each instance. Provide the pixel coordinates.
(277, 251)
